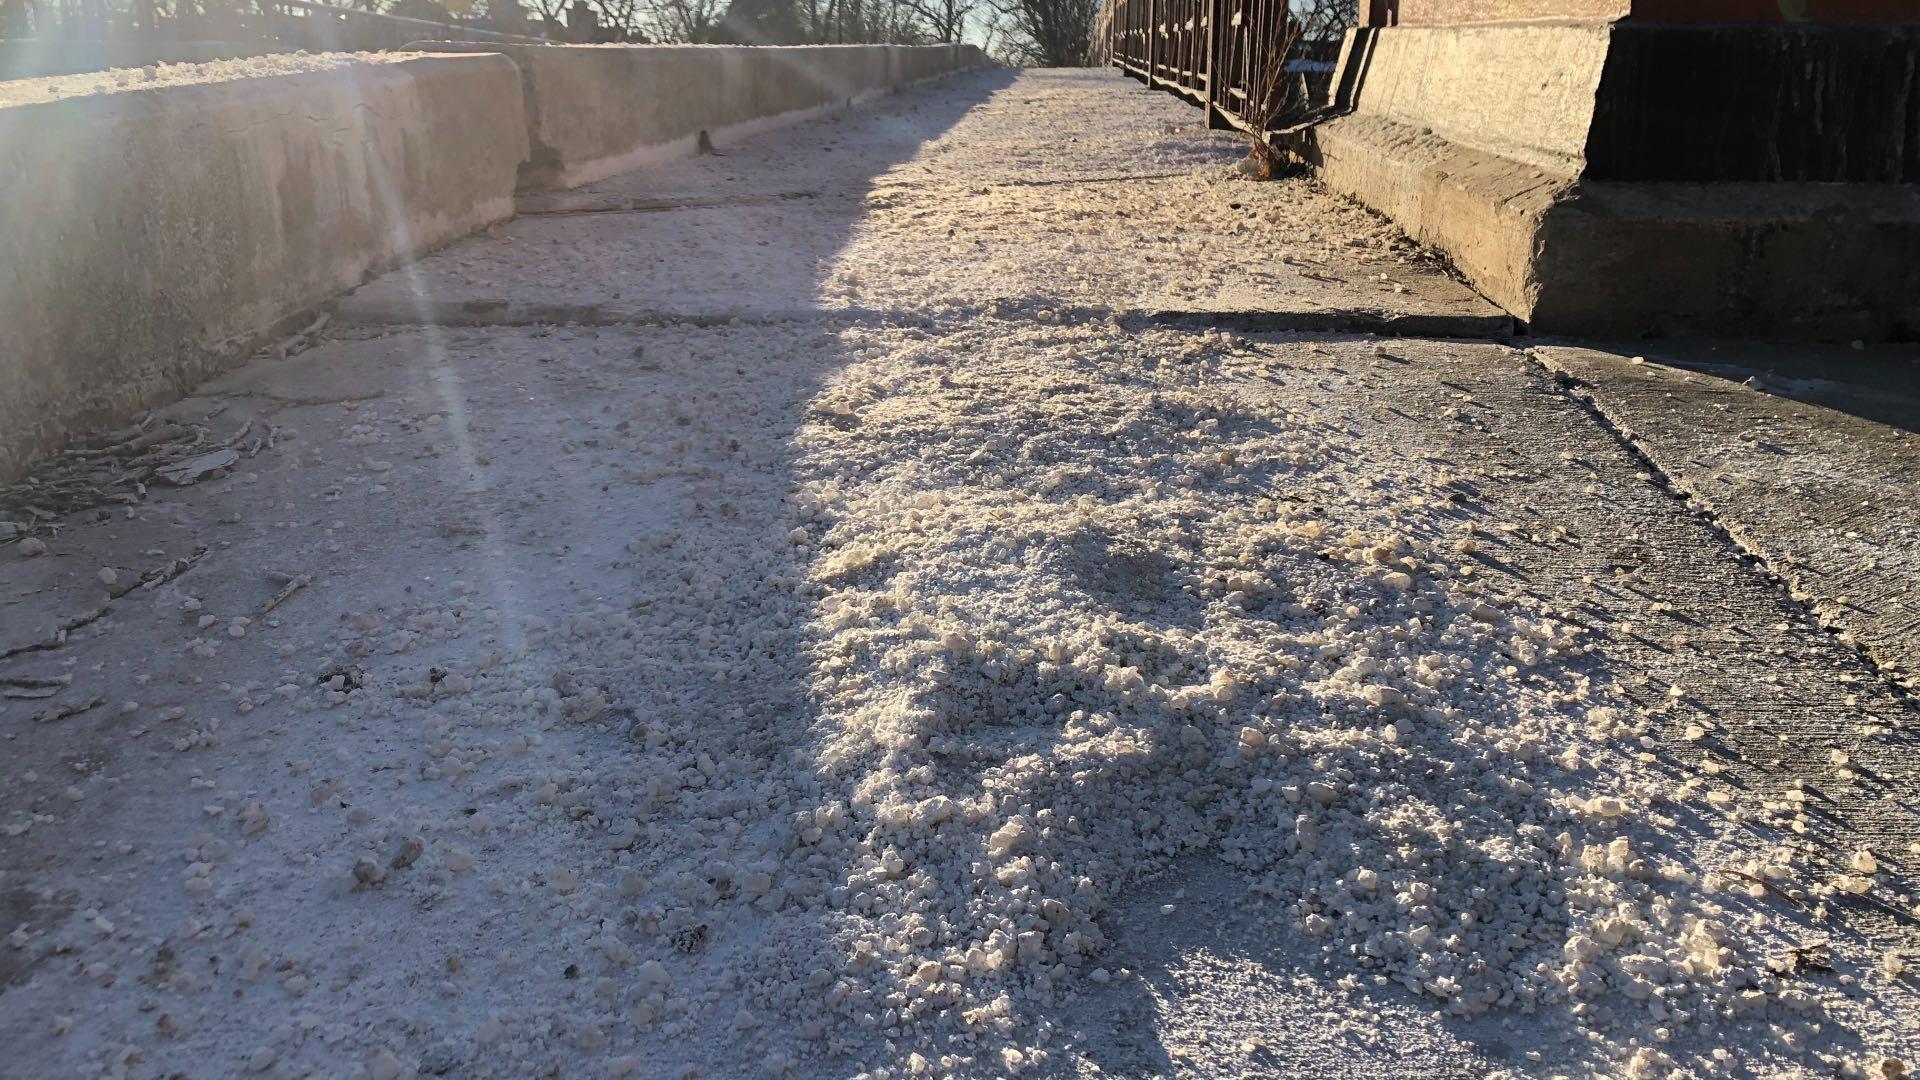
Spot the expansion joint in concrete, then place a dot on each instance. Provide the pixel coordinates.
(1579, 393)
(508, 313)
(1340, 321)
(549, 204)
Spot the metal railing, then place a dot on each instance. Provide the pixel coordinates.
(1226, 56)
(331, 26)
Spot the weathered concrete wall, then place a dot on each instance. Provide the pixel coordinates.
(1524, 92)
(581, 99)
(1601, 177)
(1466, 137)
(153, 229)
(1832, 262)
(1773, 11)
(1820, 261)
(1679, 104)
(1483, 210)
(150, 234)
(1464, 12)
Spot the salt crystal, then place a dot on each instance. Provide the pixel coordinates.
(383, 1065)
(367, 870)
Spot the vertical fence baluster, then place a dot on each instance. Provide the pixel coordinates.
(1212, 52)
(1208, 59)
(1153, 41)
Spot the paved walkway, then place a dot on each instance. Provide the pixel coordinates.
(954, 589)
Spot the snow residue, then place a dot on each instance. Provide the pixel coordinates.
(847, 695)
(165, 76)
(1022, 206)
(1087, 604)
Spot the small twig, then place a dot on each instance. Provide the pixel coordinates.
(35, 682)
(60, 632)
(1812, 957)
(159, 576)
(59, 637)
(32, 686)
(143, 441)
(292, 587)
(152, 579)
(1801, 958)
(65, 711)
(115, 468)
(31, 646)
(237, 437)
(1765, 884)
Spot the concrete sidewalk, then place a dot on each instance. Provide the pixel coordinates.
(1062, 192)
(1808, 457)
(961, 589)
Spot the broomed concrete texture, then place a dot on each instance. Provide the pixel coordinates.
(1780, 460)
(157, 230)
(1601, 177)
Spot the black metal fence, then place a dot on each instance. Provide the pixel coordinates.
(1230, 57)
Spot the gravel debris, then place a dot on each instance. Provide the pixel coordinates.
(930, 691)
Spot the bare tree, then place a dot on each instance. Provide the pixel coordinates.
(1325, 20)
(1048, 33)
(621, 17)
(944, 19)
(907, 22)
(691, 21)
(995, 31)
(17, 17)
(549, 11)
(704, 22)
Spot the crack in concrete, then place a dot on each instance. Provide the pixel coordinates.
(1342, 320)
(1579, 392)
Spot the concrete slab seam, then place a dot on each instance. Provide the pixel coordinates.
(1578, 391)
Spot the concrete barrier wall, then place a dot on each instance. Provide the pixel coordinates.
(153, 230)
(1523, 92)
(149, 235)
(584, 126)
(1618, 178)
